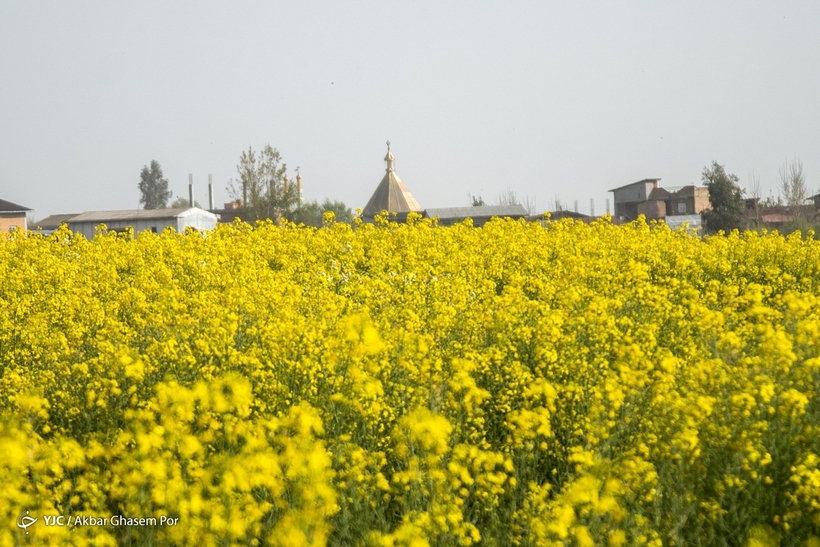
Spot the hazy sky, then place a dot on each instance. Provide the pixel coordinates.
(549, 99)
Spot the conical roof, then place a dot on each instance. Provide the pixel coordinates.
(391, 195)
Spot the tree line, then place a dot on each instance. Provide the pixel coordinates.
(263, 188)
(727, 209)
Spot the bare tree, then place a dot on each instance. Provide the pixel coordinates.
(263, 185)
(793, 187)
(508, 197)
(530, 205)
(755, 192)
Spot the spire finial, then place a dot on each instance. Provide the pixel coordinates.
(389, 158)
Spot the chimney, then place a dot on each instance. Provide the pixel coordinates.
(211, 192)
(607, 205)
(191, 189)
(592, 207)
(576, 205)
(299, 185)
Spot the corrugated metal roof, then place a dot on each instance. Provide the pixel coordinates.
(558, 215)
(477, 212)
(135, 214)
(53, 222)
(9, 207)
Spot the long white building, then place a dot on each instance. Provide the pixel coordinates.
(140, 220)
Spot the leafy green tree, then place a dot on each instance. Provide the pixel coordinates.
(478, 201)
(343, 212)
(263, 185)
(183, 202)
(310, 213)
(725, 198)
(771, 201)
(153, 187)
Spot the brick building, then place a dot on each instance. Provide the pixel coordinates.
(12, 216)
(645, 197)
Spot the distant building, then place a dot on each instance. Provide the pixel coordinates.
(675, 221)
(562, 214)
(49, 225)
(12, 216)
(776, 217)
(646, 198)
(140, 220)
(628, 197)
(231, 211)
(448, 216)
(681, 201)
(391, 195)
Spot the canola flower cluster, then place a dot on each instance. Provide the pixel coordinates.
(519, 384)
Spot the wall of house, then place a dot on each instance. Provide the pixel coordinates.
(673, 206)
(88, 229)
(696, 197)
(628, 210)
(701, 200)
(621, 210)
(7, 222)
(633, 193)
(652, 209)
(196, 218)
(627, 198)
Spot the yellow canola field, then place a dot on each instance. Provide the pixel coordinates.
(383, 385)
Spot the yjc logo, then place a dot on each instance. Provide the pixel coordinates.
(24, 521)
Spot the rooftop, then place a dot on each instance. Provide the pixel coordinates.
(644, 181)
(52, 222)
(134, 214)
(391, 195)
(558, 215)
(477, 212)
(9, 207)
